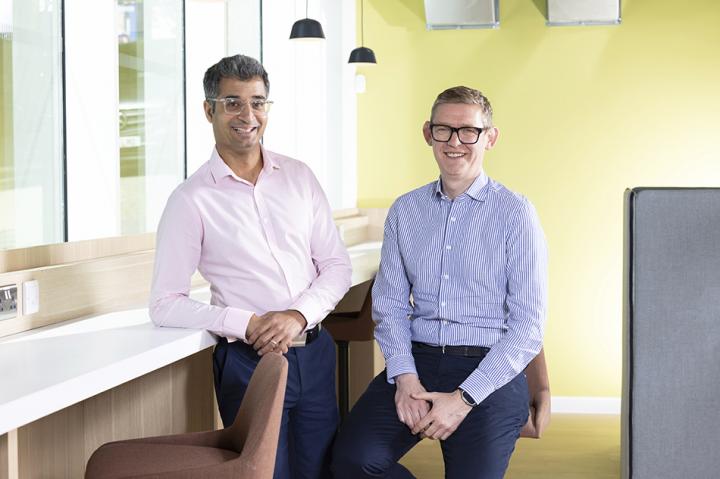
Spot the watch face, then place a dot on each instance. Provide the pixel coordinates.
(468, 400)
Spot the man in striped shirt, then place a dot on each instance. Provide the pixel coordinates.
(459, 304)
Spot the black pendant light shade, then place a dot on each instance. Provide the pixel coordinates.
(362, 55)
(307, 28)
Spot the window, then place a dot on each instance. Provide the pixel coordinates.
(150, 109)
(125, 114)
(92, 147)
(31, 145)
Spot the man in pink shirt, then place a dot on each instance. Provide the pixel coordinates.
(259, 228)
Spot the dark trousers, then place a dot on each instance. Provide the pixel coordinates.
(372, 439)
(310, 415)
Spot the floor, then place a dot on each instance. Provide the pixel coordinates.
(574, 446)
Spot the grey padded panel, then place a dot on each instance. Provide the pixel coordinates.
(671, 423)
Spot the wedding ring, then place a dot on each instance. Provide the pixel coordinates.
(275, 345)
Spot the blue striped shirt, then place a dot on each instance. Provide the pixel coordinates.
(470, 271)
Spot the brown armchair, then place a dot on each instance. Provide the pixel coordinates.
(539, 389)
(245, 449)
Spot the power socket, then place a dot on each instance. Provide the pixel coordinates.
(8, 302)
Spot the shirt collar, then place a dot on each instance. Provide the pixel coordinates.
(477, 190)
(219, 169)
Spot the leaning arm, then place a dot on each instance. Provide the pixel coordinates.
(177, 255)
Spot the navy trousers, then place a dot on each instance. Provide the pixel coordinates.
(310, 414)
(372, 439)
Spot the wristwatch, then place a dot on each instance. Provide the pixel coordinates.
(467, 399)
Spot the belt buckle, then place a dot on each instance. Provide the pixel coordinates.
(299, 341)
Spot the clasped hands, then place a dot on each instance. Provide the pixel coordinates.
(448, 410)
(274, 330)
(433, 415)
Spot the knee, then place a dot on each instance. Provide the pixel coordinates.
(357, 462)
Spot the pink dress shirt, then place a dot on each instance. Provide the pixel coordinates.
(271, 246)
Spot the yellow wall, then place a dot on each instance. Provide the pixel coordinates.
(583, 112)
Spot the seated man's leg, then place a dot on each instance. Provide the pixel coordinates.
(481, 446)
(372, 439)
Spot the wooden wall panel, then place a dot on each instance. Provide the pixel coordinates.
(4, 465)
(73, 252)
(9, 456)
(192, 384)
(80, 289)
(376, 222)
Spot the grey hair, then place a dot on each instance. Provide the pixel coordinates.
(241, 67)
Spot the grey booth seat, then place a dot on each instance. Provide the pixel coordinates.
(671, 337)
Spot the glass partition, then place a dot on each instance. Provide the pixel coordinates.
(31, 141)
(150, 109)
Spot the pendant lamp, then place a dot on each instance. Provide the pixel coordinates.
(362, 54)
(307, 28)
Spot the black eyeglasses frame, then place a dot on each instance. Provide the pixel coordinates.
(456, 131)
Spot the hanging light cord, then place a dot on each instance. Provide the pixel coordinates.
(306, 8)
(362, 23)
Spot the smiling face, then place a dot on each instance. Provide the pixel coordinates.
(460, 163)
(239, 134)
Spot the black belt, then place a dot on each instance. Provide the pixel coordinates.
(311, 334)
(466, 351)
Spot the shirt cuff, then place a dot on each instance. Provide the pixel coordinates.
(478, 386)
(309, 309)
(235, 323)
(398, 365)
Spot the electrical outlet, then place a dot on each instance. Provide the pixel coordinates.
(8, 302)
(31, 297)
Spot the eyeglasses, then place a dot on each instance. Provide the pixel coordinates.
(467, 135)
(233, 105)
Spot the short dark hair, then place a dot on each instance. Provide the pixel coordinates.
(241, 67)
(468, 96)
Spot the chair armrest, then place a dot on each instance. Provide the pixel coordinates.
(540, 399)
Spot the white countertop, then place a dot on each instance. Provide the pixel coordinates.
(48, 369)
(51, 368)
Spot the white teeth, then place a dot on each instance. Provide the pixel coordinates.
(455, 155)
(244, 130)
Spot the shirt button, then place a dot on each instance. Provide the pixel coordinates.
(452, 218)
(445, 276)
(448, 247)
(442, 304)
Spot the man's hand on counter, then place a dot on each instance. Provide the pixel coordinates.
(274, 330)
